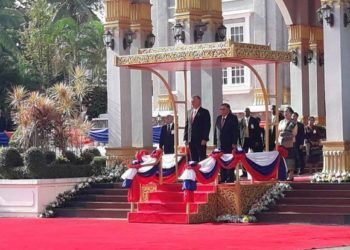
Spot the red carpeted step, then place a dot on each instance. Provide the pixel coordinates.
(91, 213)
(157, 217)
(315, 201)
(330, 209)
(320, 186)
(94, 204)
(313, 218)
(174, 207)
(177, 187)
(106, 191)
(175, 196)
(318, 193)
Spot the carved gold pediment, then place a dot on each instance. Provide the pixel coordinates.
(256, 54)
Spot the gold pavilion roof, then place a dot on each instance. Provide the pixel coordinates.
(204, 55)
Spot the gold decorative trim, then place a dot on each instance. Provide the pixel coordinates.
(117, 12)
(188, 9)
(224, 200)
(316, 39)
(140, 14)
(258, 97)
(286, 95)
(164, 103)
(336, 156)
(206, 51)
(228, 201)
(123, 154)
(331, 2)
(299, 36)
(336, 145)
(183, 47)
(212, 11)
(145, 190)
(206, 212)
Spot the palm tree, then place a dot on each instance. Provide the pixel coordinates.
(10, 19)
(93, 51)
(80, 10)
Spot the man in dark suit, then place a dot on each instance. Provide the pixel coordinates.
(249, 132)
(166, 141)
(226, 136)
(197, 130)
(298, 145)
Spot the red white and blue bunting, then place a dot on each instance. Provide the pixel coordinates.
(262, 166)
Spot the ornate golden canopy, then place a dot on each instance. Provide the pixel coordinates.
(204, 55)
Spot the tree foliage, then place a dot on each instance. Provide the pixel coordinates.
(42, 42)
(51, 119)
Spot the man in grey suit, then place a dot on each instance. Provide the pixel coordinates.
(197, 130)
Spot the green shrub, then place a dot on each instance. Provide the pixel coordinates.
(99, 104)
(93, 151)
(61, 160)
(98, 165)
(10, 158)
(50, 156)
(35, 161)
(72, 158)
(88, 155)
(67, 170)
(14, 173)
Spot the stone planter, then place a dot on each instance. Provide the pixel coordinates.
(28, 198)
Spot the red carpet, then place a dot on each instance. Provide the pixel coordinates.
(166, 205)
(117, 234)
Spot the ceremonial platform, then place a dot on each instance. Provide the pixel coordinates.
(157, 197)
(165, 203)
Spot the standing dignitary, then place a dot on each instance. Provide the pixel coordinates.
(273, 127)
(197, 130)
(298, 145)
(225, 136)
(249, 132)
(166, 141)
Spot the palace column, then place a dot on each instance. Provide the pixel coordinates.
(188, 13)
(211, 77)
(141, 81)
(299, 71)
(336, 150)
(316, 75)
(118, 79)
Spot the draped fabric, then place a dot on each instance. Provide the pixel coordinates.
(261, 166)
(99, 135)
(145, 169)
(156, 133)
(4, 139)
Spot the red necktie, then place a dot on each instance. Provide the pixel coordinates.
(222, 121)
(193, 115)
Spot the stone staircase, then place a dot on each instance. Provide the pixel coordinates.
(324, 203)
(104, 200)
(166, 205)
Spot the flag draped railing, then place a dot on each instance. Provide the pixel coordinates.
(159, 168)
